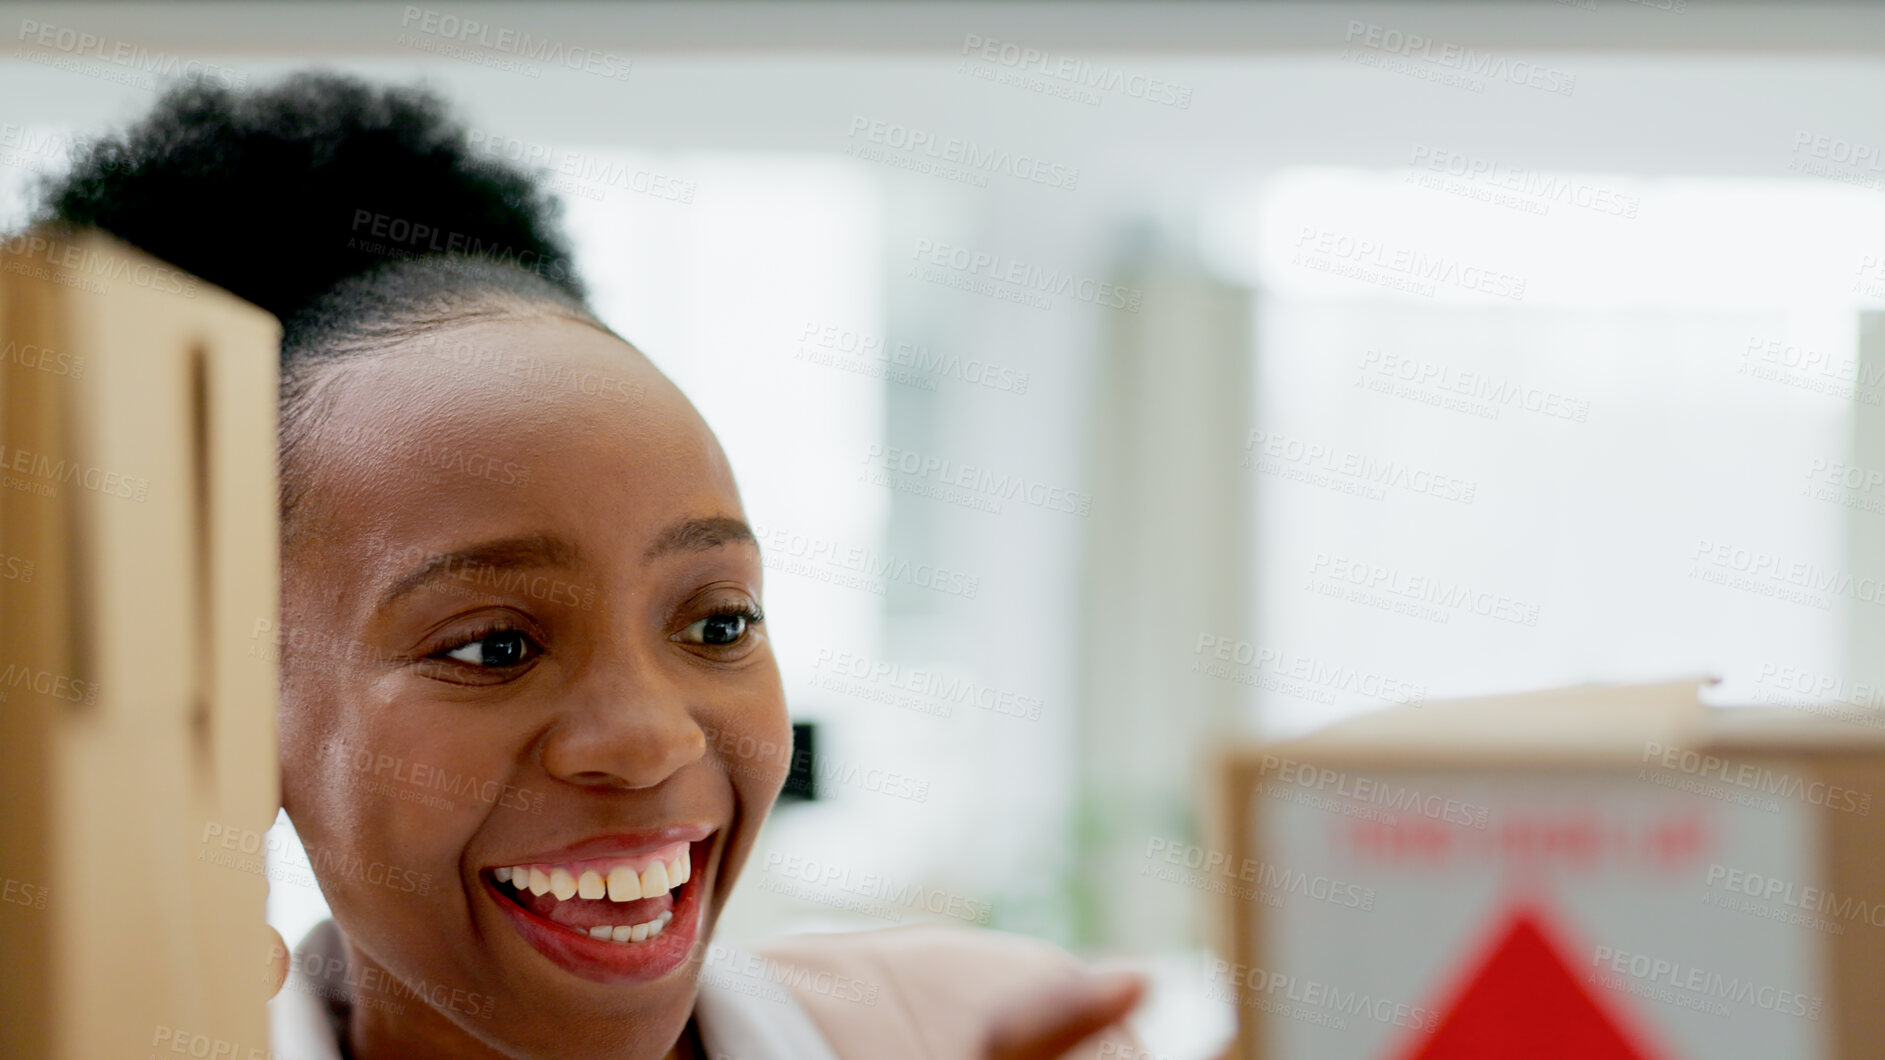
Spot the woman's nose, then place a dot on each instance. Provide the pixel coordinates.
(631, 727)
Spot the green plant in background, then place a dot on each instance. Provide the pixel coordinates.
(1109, 829)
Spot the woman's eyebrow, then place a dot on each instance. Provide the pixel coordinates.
(698, 535)
(509, 553)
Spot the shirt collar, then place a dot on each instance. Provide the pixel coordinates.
(741, 1009)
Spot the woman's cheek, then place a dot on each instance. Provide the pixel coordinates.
(757, 758)
(751, 738)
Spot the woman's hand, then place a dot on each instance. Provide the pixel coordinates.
(275, 973)
(1046, 1024)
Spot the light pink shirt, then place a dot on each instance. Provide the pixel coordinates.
(923, 992)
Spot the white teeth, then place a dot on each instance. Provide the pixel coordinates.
(654, 880)
(621, 884)
(636, 932)
(624, 886)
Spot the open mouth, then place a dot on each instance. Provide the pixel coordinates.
(626, 900)
(608, 918)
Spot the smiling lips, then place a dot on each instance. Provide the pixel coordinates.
(623, 899)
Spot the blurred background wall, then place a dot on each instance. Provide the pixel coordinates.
(1107, 379)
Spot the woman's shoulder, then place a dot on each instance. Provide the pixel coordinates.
(918, 990)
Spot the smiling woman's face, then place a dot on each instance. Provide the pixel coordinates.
(520, 613)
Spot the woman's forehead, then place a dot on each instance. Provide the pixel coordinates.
(509, 383)
(525, 421)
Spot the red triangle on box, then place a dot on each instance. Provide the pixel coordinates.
(1522, 1001)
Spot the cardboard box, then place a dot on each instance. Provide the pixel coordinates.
(137, 720)
(1602, 873)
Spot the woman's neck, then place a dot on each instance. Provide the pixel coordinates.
(415, 1028)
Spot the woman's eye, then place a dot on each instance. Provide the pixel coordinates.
(495, 650)
(718, 630)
